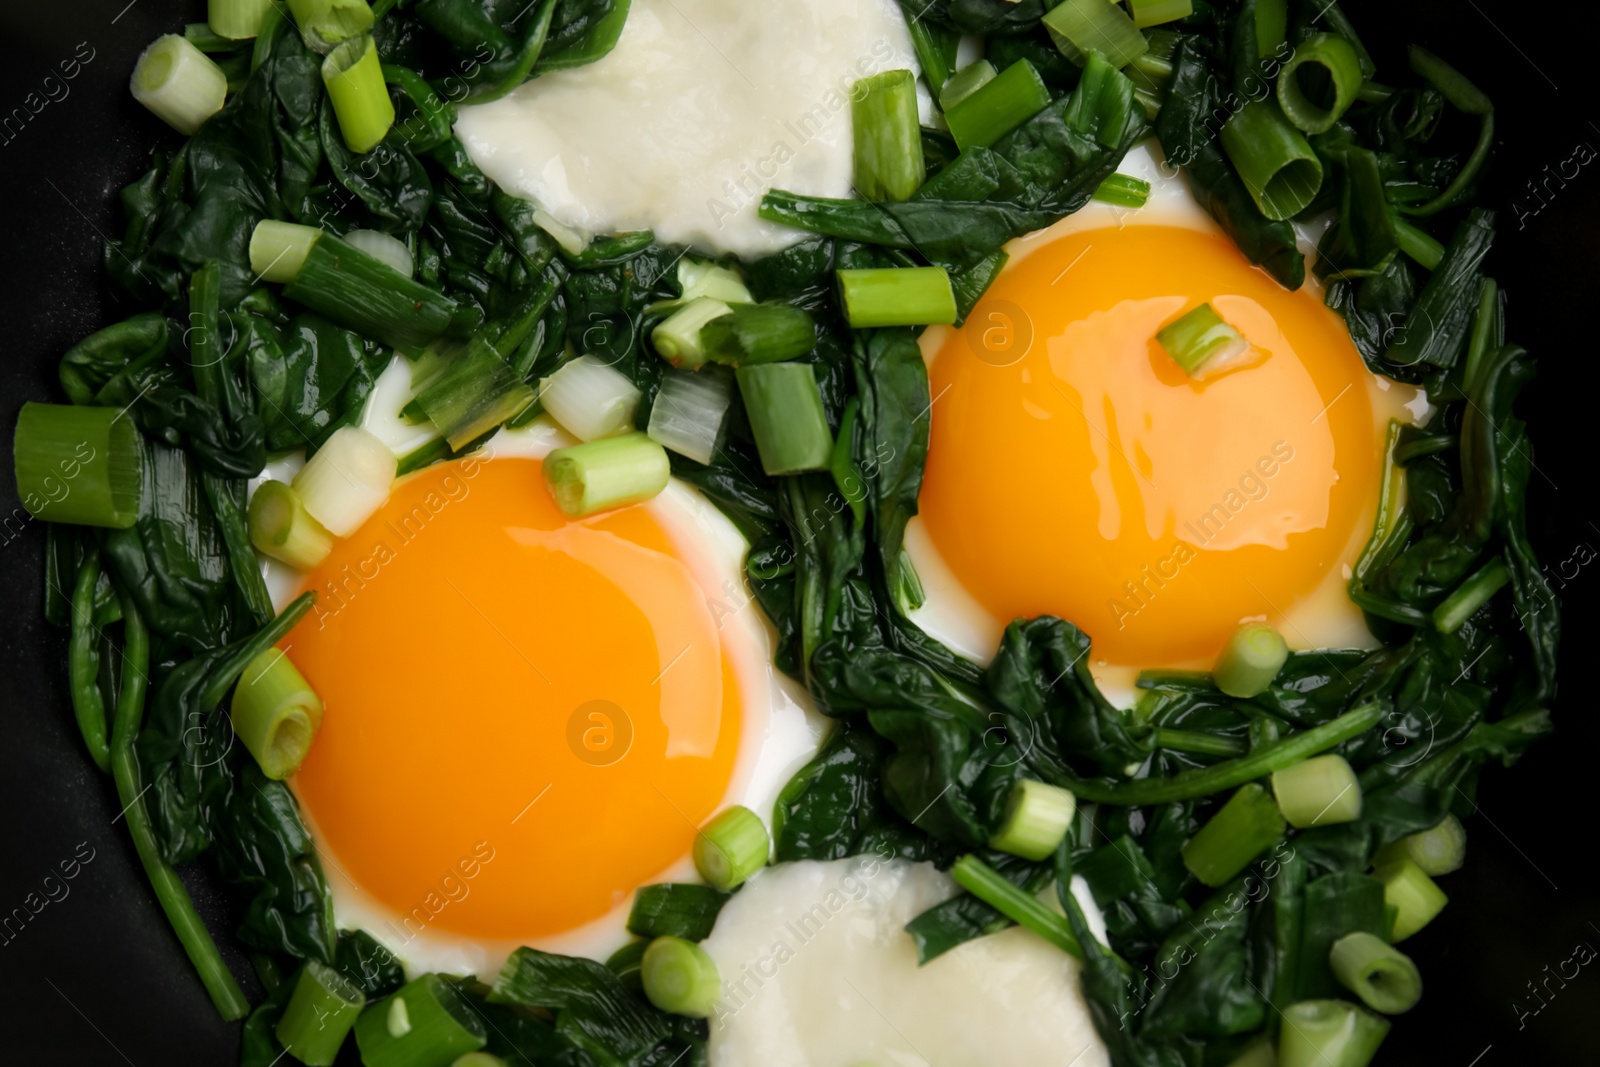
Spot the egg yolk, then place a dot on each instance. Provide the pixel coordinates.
(1075, 470)
(526, 716)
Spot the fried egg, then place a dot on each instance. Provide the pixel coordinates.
(1075, 470)
(528, 716)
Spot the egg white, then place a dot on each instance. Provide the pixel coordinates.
(780, 732)
(1323, 618)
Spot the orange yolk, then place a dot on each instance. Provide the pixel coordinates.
(526, 716)
(1075, 470)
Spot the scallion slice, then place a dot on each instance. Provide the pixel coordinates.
(275, 713)
(347, 480)
(1124, 190)
(278, 249)
(81, 465)
(1079, 27)
(1241, 830)
(325, 23)
(237, 20)
(690, 414)
(474, 395)
(1203, 344)
(1157, 12)
(370, 297)
(888, 136)
(1321, 791)
(999, 106)
(964, 82)
(353, 75)
(679, 977)
(1471, 595)
(786, 417)
(699, 278)
(677, 338)
(731, 847)
(897, 296)
(607, 473)
(1415, 898)
(590, 399)
(1438, 850)
(180, 84)
(281, 527)
(423, 1023)
(758, 333)
(1252, 659)
(383, 247)
(1037, 818)
(1381, 975)
(321, 1011)
(1015, 903)
(1276, 162)
(1340, 70)
(1329, 1033)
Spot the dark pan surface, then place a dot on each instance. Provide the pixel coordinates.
(97, 977)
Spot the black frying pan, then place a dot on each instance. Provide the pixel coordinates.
(96, 975)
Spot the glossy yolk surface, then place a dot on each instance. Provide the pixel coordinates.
(1075, 470)
(526, 716)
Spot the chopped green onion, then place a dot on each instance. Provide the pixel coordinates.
(1037, 818)
(1329, 1033)
(897, 296)
(888, 137)
(1326, 58)
(278, 249)
(1253, 658)
(590, 399)
(677, 338)
(1243, 828)
(608, 473)
(474, 395)
(1272, 26)
(966, 81)
(784, 405)
(1123, 190)
(999, 106)
(677, 910)
(1080, 27)
(1202, 344)
(370, 297)
(236, 20)
(1156, 12)
(1204, 781)
(383, 247)
(424, 1024)
(758, 333)
(346, 481)
(1471, 595)
(1435, 851)
(180, 84)
(680, 978)
(691, 412)
(81, 465)
(1413, 896)
(1381, 975)
(353, 75)
(325, 23)
(321, 1011)
(700, 278)
(281, 527)
(731, 847)
(1278, 166)
(1319, 792)
(275, 713)
(1424, 249)
(1015, 903)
